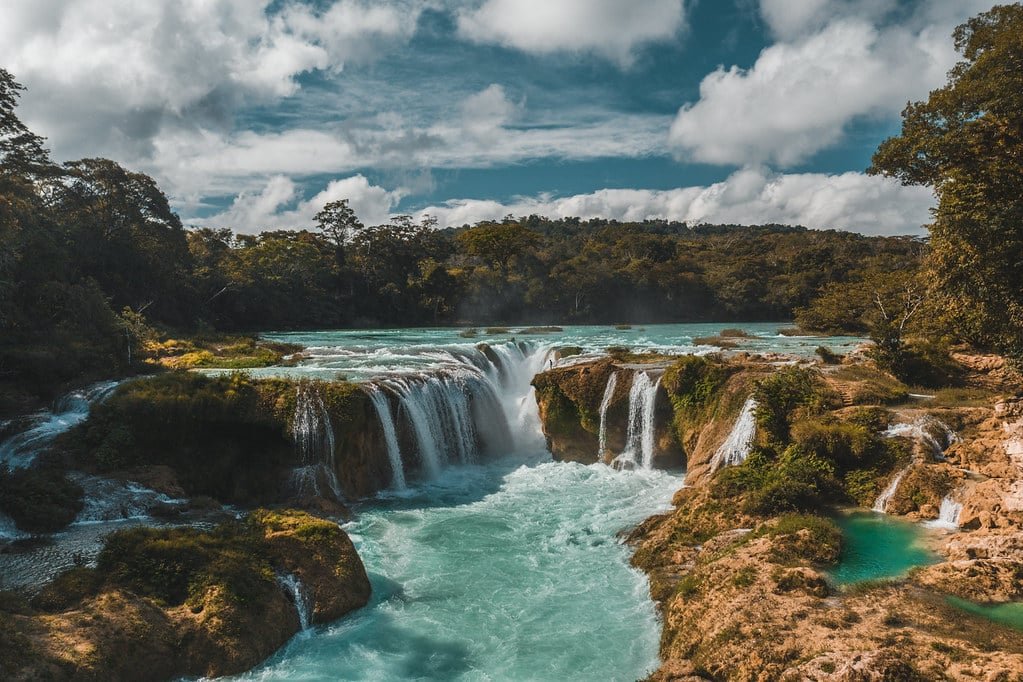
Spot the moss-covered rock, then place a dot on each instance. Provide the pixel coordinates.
(39, 500)
(230, 437)
(166, 603)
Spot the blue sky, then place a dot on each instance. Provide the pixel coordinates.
(253, 114)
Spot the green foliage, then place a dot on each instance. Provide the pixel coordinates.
(745, 576)
(40, 500)
(814, 538)
(780, 395)
(964, 142)
(794, 481)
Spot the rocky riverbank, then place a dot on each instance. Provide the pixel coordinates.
(166, 603)
(742, 568)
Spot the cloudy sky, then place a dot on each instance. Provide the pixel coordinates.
(253, 113)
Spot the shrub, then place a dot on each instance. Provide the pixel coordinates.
(735, 333)
(819, 538)
(67, 589)
(828, 356)
(39, 500)
(780, 395)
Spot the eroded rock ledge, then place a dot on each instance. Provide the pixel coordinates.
(166, 603)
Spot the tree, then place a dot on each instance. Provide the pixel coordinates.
(338, 222)
(966, 141)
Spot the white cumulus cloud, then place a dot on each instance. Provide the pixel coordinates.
(847, 201)
(611, 28)
(835, 62)
(277, 206)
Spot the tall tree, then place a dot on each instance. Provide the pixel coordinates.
(966, 141)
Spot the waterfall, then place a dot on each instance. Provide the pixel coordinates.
(948, 514)
(480, 402)
(923, 429)
(886, 495)
(295, 588)
(609, 391)
(736, 447)
(641, 435)
(20, 450)
(383, 409)
(314, 437)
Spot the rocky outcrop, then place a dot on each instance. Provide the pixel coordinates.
(569, 401)
(170, 603)
(234, 438)
(743, 584)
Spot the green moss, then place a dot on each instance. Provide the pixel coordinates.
(570, 351)
(745, 576)
(226, 437)
(811, 538)
(179, 565)
(39, 500)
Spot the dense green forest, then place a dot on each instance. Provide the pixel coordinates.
(92, 257)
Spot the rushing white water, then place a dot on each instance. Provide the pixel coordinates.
(609, 391)
(736, 447)
(504, 571)
(106, 500)
(383, 409)
(931, 431)
(641, 436)
(881, 503)
(20, 450)
(296, 589)
(948, 514)
(480, 402)
(314, 437)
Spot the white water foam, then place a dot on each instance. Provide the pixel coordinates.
(881, 503)
(20, 450)
(736, 447)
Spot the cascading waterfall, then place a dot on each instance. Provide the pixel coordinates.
(923, 429)
(736, 447)
(641, 436)
(383, 408)
(481, 403)
(948, 514)
(294, 587)
(881, 504)
(314, 437)
(20, 450)
(609, 391)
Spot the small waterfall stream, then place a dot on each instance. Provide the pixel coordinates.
(881, 503)
(294, 587)
(931, 431)
(20, 450)
(737, 446)
(383, 409)
(641, 436)
(948, 514)
(609, 391)
(313, 434)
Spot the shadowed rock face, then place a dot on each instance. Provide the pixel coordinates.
(570, 400)
(125, 621)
